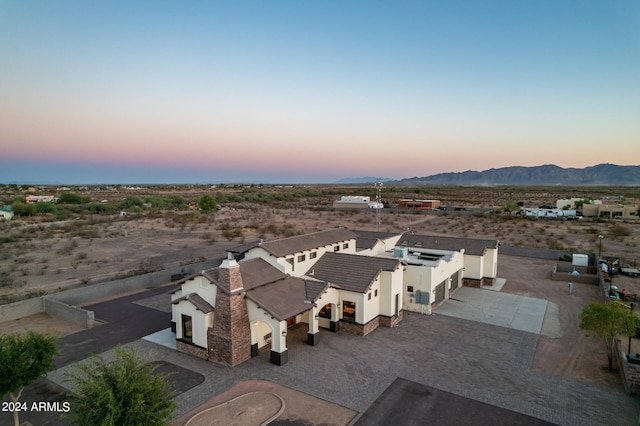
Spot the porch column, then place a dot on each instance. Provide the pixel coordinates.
(279, 354)
(334, 325)
(314, 329)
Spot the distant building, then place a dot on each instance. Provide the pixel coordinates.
(32, 199)
(411, 204)
(6, 213)
(610, 211)
(356, 202)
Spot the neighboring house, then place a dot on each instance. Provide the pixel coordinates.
(31, 199)
(6, 213)
(610, 211)
(337, 279)
(411, 204)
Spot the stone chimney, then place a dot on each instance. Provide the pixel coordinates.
(229, 340)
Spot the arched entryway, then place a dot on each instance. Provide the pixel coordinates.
(328, 317)
(261, 336)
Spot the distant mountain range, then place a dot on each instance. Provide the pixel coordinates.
(546, 175)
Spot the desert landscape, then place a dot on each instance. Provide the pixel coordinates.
(112, 233)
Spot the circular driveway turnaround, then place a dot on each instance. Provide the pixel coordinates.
(255, 408)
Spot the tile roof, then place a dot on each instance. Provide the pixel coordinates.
(351, 272)
(196, 300)
(254, 272)
(368, 239)
(471, 246)
(285, 298)
(300, 243)
(257, 272)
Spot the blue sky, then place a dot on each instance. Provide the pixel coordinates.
(295, 91)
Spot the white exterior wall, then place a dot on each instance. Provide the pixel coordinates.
(473, 267)
(199, 322)
(420, 278)
(490, 260)
(390, 285)
(207, 291)
(426, 278)
(371, 308)
(299, 268)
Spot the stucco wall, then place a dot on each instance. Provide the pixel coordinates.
(23, 308)
(83, 294)
(70, 313)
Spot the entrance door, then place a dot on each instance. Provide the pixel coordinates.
(291, 321)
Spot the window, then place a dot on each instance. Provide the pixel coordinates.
(349, 310)
(336, 248)
(302, 258)
(345, 246)
(325, 312)
(376, 293)
(410, 288)
(405, 243)
(418, 243)
(313, 255)
(187, 327)
(369, 295)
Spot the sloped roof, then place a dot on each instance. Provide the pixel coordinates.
(300, 243)
(257, 272)
(254, 272)
(471, 246)
(196, 300)
(285, 298)
(351, 272)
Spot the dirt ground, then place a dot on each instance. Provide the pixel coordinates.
(50, 257)
(569, 353)
(43, 257)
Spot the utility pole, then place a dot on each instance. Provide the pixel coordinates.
(378, 186)
(600, 237)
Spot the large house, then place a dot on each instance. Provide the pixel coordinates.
(335, 280)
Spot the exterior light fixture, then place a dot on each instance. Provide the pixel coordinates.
(600, 237)
(284, 333)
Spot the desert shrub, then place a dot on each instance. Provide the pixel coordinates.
(618, 230)
(131, 202)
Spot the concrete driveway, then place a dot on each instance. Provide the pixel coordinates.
(495, 308)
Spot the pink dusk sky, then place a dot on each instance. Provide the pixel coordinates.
(313, 91)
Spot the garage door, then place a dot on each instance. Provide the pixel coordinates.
(439, 293)
(454, 281)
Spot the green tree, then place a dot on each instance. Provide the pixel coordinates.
(207, 203)
(119, 393)
(69, 198)
(22, 209)
(131, 202)
(511, 206)
(24, 358)
(608, 321)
